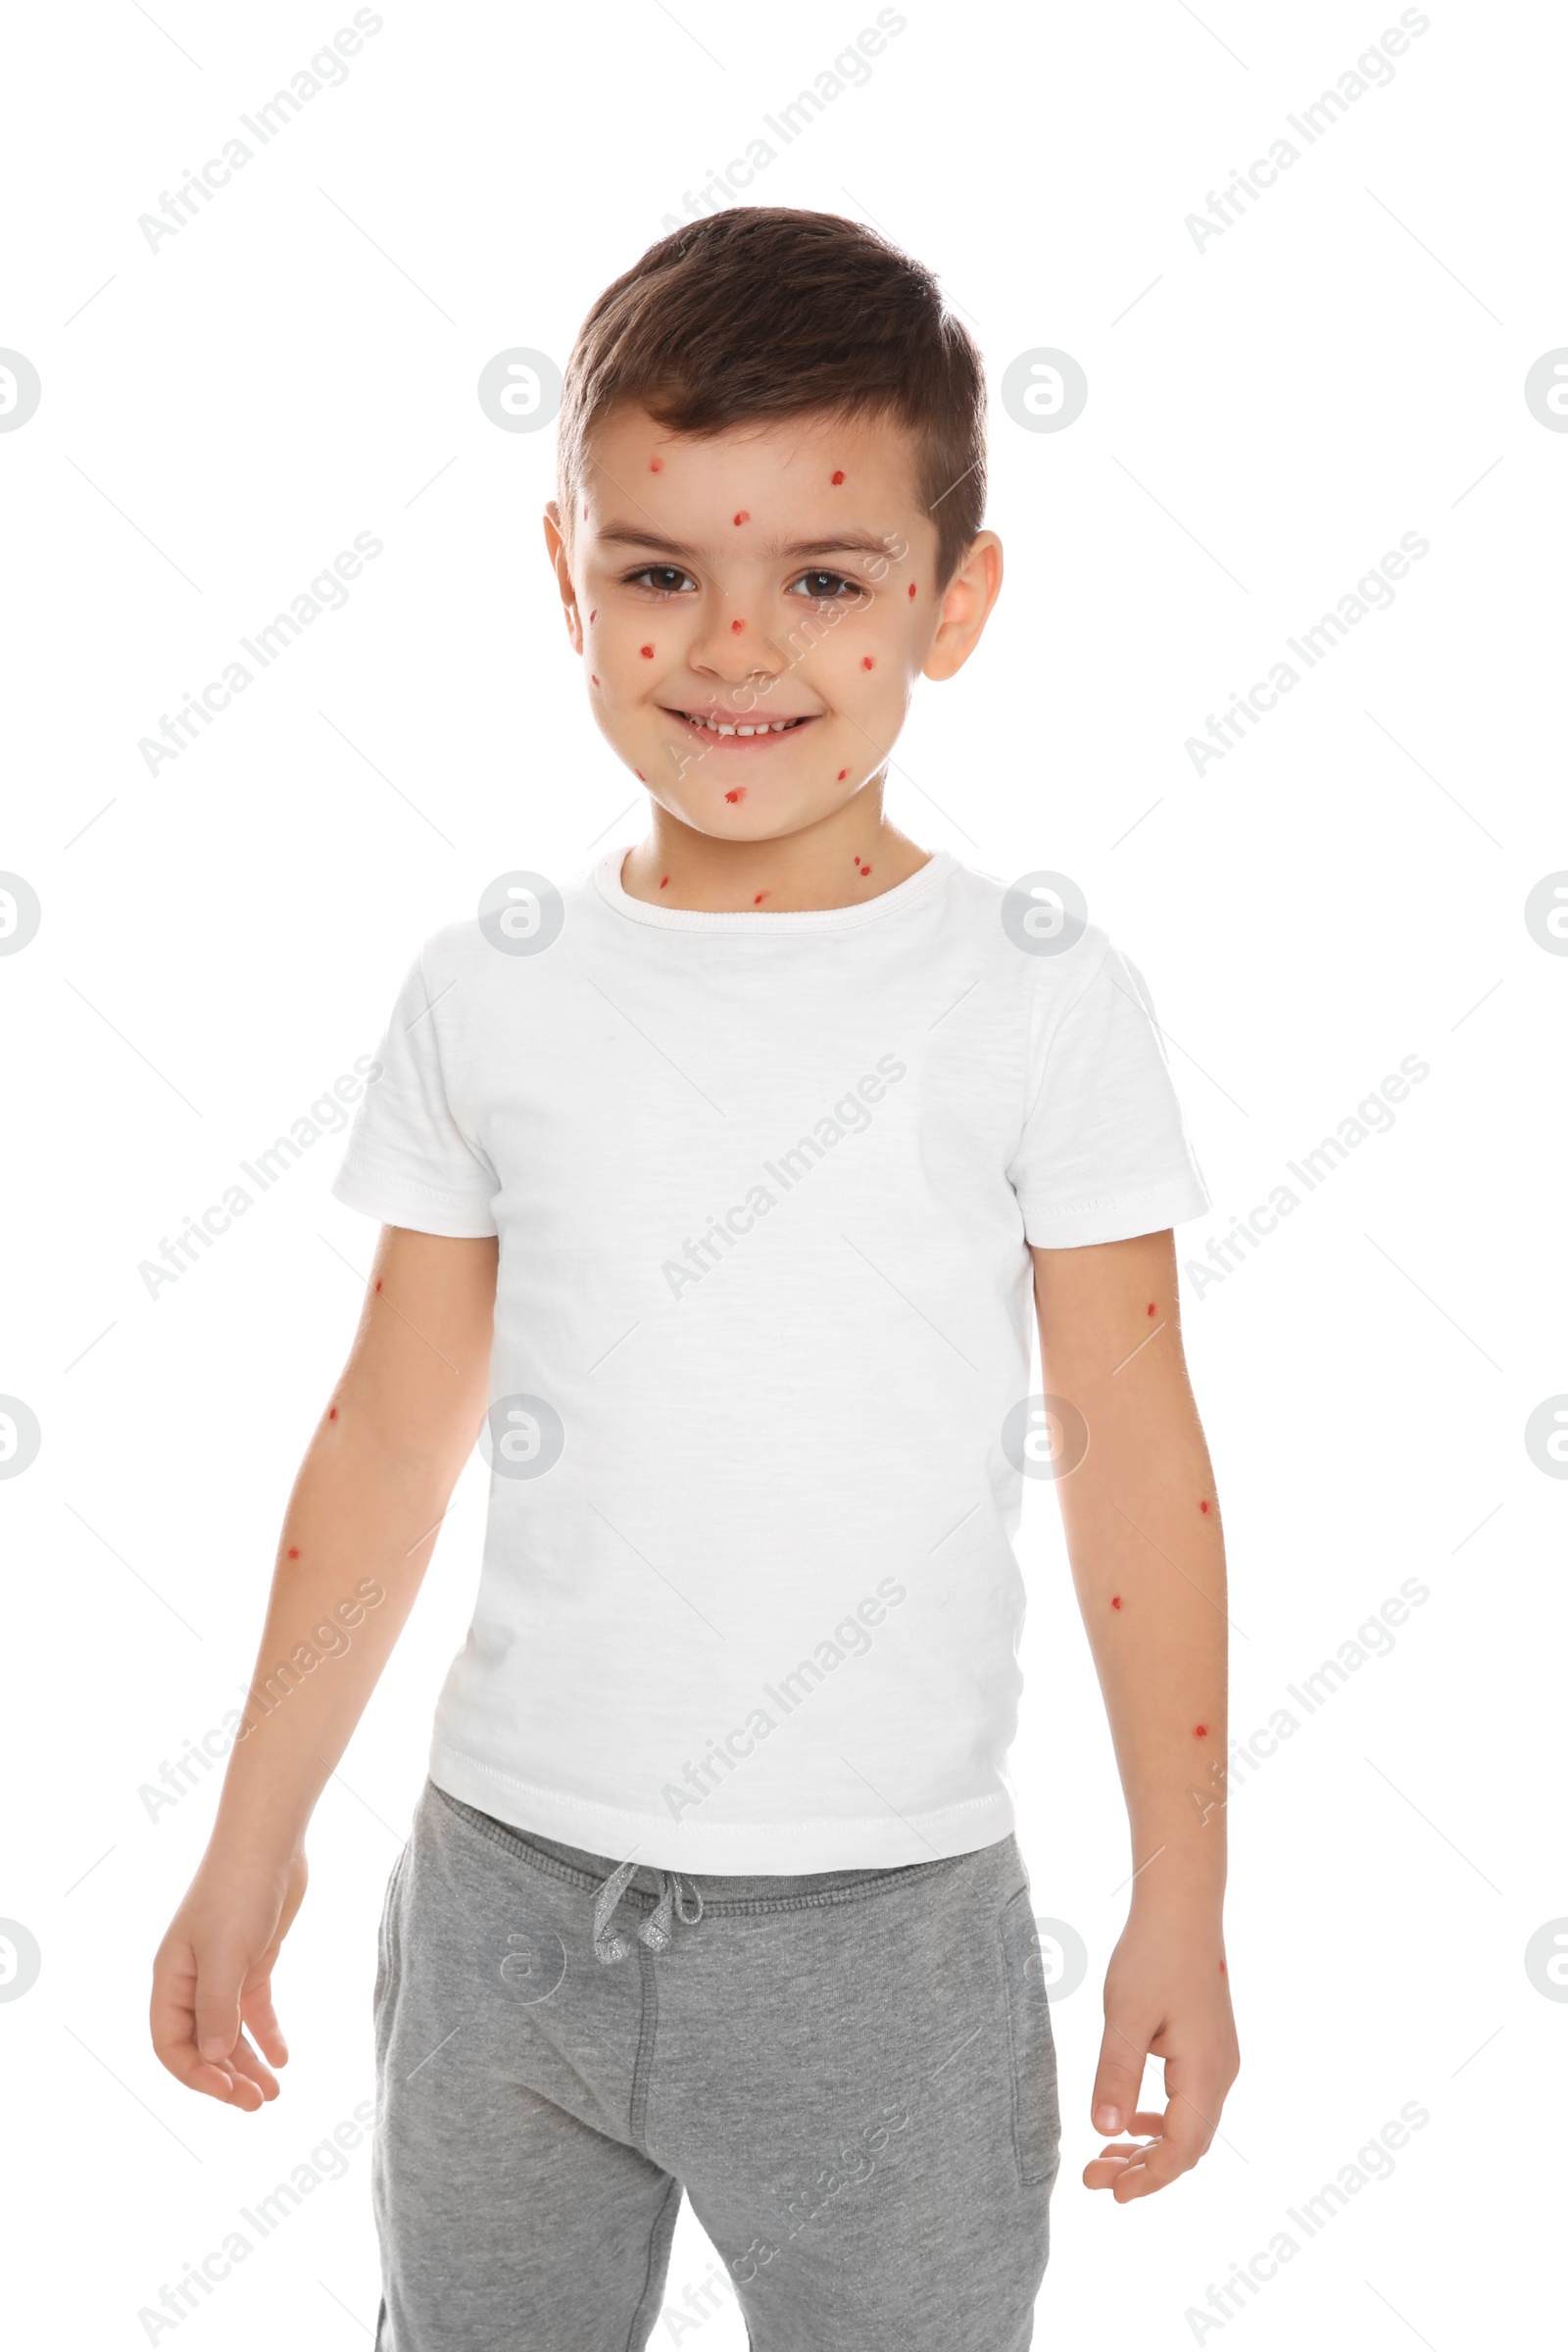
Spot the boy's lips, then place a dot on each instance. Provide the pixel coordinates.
(737, 727)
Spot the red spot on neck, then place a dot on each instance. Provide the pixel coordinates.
(1115, 1601)
(866, 661)
(838, 477)
(742, 517)
(656, 465)
(736, 627)
(1199, 1731)
(646, 652)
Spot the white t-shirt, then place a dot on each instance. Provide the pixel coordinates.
(763, 1184)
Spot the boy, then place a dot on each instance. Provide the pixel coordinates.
(714, 1190)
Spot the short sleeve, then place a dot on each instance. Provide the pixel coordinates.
(407, 1160)
(1103, 1155)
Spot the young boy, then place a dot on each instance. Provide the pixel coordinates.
(715, 1188)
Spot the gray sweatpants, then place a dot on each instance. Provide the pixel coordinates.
(850, 2074)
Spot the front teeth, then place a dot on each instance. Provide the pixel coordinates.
(718, 726)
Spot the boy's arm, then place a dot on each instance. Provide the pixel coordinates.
(360, 1522)
(1142, 1524)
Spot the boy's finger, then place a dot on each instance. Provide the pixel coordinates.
(218, 1976)
(1117, 2079)
(1182, 2140)
(244, 2061)
(261, 2019)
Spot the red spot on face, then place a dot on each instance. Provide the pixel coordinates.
(293, 1551)
(741, 517)
(332, 1415)
(656, 465)
(736, 627)
(1115, 1601)
(866, 661)
(838, 477)
(1202, 1506)
(646, 652)
(594, 615)
(911, 587)
(738, 794)
(663, 883)
(761, 896)
(1199, 1731)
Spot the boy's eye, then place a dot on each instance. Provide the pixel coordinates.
(663, 578)
(823, 587)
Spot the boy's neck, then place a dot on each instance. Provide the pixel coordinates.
(846, 859)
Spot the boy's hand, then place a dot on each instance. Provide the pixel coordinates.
(211, 2015)
(1166, 1996)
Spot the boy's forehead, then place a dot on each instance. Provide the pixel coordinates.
(861, 470)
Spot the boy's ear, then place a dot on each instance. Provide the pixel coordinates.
(966, 604)
(555, 544)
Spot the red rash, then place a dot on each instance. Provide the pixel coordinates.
(594, 615)
(1199, 1731)
(646, 652)
(379, 1282)
(1222, 1969)
(293, 1551)
(911, 587)
(1202, 1506)
(332, 1415)
(741, 517)
(638, 773)
(656, 465)
(866, 661)
(1115, 1601)
(663, 882)
(1152, 1306)
(843, 772)
(736, 627)
(837, 479)
(591, 674)
(761, 896)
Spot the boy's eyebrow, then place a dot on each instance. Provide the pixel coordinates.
(625, 534)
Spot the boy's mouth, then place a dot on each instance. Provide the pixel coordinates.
(740, 726)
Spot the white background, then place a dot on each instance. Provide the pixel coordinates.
(1266, 416)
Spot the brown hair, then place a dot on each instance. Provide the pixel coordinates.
(759, 311)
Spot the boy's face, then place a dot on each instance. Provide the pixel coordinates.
(754, 609)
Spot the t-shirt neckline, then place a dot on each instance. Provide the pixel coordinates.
(926, 878)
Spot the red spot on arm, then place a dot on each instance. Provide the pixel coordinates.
(585, 510)
(1202, 1506)
(911, 587)
(761, 896)
(646, 652)
(332, 1415)
(1222, 1969)
(379, 1282)
(865, 869)
(1151, 1307)
(738, 794)
(1115, 1601)
(742, 517)
(1199, 1731)
(838, 477)
(656, 465)
(866, 661)
(293, 1551)
(638, 773)
(736, 627)
(843, 772)
(595, 681)
(594, 615)
(663, 883)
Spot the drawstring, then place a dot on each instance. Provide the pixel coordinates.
(657, 1928)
